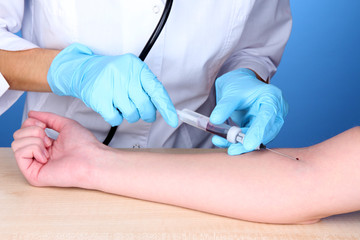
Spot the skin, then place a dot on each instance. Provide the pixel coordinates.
(259, 186)
(27, 70)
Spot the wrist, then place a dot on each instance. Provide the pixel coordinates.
(104, 161)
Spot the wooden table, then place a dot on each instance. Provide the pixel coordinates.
(28, 212)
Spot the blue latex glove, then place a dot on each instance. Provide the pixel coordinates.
(258, 108)
(116, 87)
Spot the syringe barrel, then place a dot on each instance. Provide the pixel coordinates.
(193, 118)
(232, 133)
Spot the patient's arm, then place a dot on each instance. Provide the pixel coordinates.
(259, 186)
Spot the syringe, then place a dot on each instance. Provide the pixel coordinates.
(231, 133)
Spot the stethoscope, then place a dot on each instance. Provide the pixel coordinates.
(145, 52)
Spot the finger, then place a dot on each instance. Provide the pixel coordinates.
(223, 110)
(102, 99)
(122, 101)
(113, 116)
(35, 149)
(142, 101)
(220, 142)
(273, 129)
(27, 160)
(51, 120)
(237, 149)
(48, 141)
(256, 131)
(29, 141)
(159, 96)
(127, 109)
(32, 131)
(33, 122)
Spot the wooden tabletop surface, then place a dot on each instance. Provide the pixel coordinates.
(28, 212)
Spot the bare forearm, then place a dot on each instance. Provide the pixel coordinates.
(254, 187)
(259, 186)
(27, 70)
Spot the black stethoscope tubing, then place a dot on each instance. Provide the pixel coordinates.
(145, 52)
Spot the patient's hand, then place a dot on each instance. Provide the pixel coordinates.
(64, 162)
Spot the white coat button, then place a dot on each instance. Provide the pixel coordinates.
(156, 9)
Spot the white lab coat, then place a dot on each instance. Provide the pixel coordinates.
(202, 39)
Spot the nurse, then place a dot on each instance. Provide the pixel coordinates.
(78, 59)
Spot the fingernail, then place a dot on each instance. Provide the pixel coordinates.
(40, 124)
(46, 153)
(47, 141)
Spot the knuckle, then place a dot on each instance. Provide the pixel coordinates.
(140, 100)
(34, 146)
(36, 143)
(148, 116)
(13, 146)
(15, 135)
(19, 153)
(27, 122)
(113, 120)
(131, 115)
(38, 132)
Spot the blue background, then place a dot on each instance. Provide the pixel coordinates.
(319, 75)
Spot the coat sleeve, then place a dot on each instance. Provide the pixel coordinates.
(11, 15)
(263, 40)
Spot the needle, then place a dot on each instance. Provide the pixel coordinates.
(279, 153)
(282, 154)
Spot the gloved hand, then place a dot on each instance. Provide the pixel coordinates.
(116, 87)
(258, 108)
